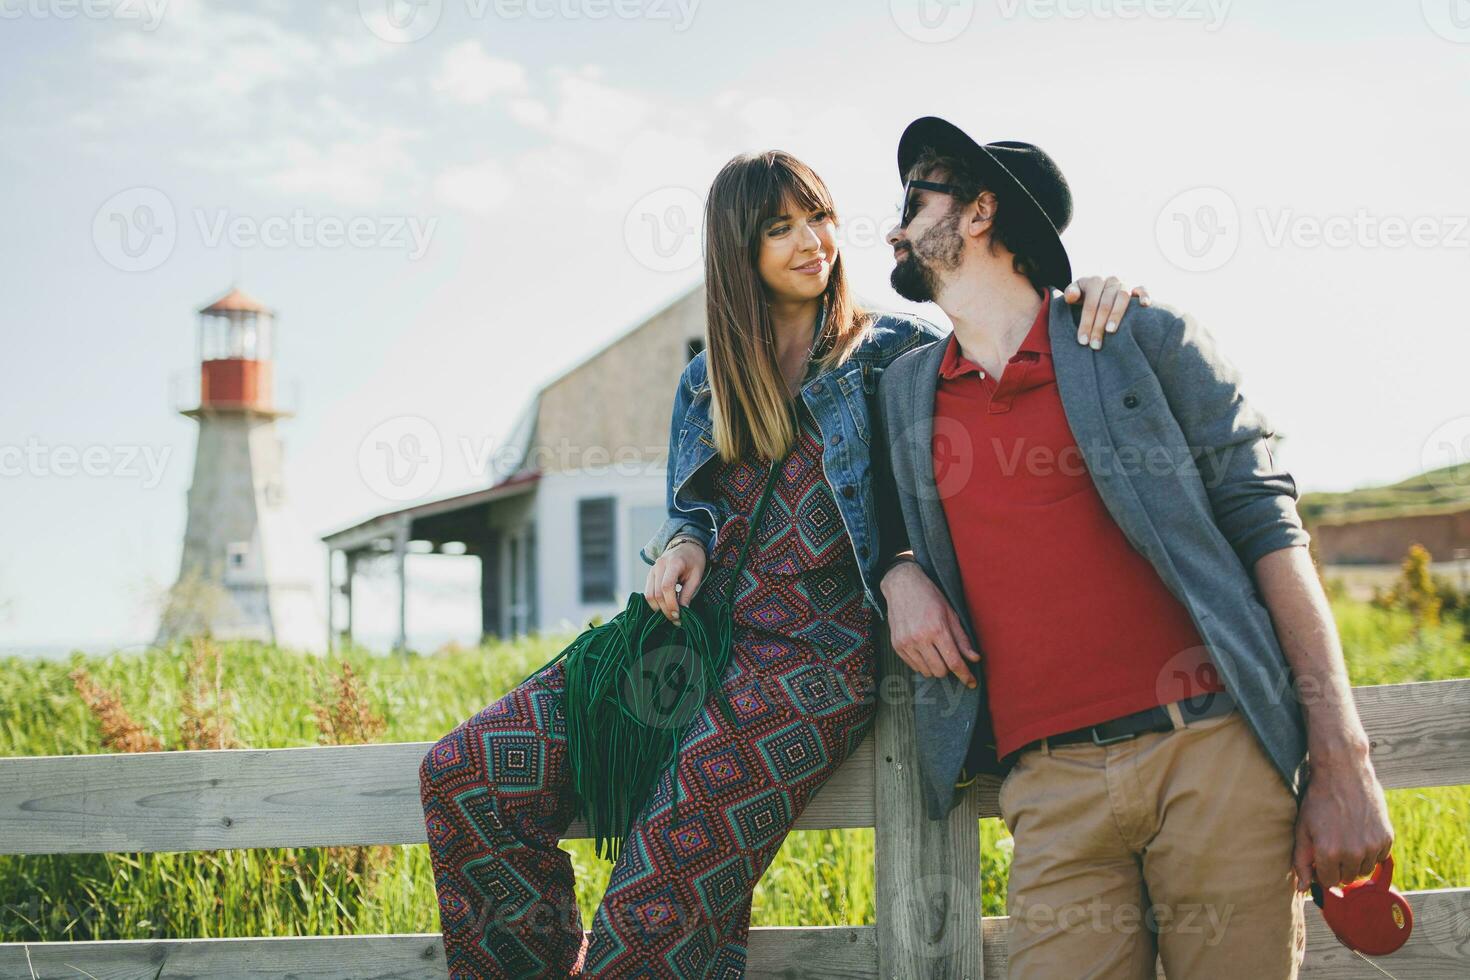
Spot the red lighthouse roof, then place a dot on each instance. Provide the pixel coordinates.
(236, 301)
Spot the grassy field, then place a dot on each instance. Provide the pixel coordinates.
(264, 697)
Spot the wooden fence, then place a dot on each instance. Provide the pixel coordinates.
(927, 875)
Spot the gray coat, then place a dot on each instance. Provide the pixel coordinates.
(1182, 464)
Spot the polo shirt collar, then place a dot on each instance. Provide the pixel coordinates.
(1037, 341)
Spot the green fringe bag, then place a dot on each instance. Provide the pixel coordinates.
(633, 684)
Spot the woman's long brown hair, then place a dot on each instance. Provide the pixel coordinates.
(750, 401)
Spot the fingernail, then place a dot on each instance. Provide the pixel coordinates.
(1097, 344)
(1082, 338)
(1112, 326)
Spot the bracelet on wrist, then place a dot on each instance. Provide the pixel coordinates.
(894, 563)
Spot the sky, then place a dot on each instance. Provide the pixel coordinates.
(450, 202)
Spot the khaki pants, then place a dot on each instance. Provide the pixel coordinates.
(1176, 844)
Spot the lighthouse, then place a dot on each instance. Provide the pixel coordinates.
(245, 572)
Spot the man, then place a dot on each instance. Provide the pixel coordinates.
(1106, 537)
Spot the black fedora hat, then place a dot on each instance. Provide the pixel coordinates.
(1022, 176)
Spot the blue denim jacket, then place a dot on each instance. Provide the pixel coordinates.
(842, 402)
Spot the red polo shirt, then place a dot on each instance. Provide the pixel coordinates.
(1075, 627)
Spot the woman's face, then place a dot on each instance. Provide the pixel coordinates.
(797, 250)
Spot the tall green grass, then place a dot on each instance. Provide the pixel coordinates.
(819, 877)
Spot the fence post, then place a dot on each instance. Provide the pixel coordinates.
(927, 872)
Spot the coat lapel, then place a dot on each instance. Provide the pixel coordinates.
(937, 538)
(1081, 394)
(1076, 378)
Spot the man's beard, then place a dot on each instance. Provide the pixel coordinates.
(917, 277)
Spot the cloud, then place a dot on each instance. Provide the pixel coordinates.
(589, 113)
(478, 187)
(468, 75)
(200, 58)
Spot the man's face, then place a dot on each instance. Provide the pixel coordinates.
(927, 247)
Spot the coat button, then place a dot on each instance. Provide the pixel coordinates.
(862, 551)
(816, 387)
(848, 491)
(836, 438)
(1130, 401)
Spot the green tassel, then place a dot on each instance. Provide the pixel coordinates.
(621, 735)
(616, 748)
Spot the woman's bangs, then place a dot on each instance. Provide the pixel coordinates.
(801, 187)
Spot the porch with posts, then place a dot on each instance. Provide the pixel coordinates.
(493, 525)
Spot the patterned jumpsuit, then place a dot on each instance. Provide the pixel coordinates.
(496, 793)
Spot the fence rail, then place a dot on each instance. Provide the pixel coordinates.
(338, 795)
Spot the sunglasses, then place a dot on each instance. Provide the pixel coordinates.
(909, 205)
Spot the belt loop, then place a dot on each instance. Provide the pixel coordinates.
(1175, 715)
(1046, 746)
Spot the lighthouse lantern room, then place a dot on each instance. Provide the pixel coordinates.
(235, 336)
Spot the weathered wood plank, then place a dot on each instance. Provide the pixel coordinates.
(927, 872)
(820, 953)
(1440, 948)
(368, 794)
(1419, 732)
(206, 800)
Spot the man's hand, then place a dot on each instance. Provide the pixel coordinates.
(1342, 829)
(924, 631)
(1103, 304)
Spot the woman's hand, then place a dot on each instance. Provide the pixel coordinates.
(1104, 302)
(681, 565)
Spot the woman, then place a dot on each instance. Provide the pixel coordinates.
(790, 366)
